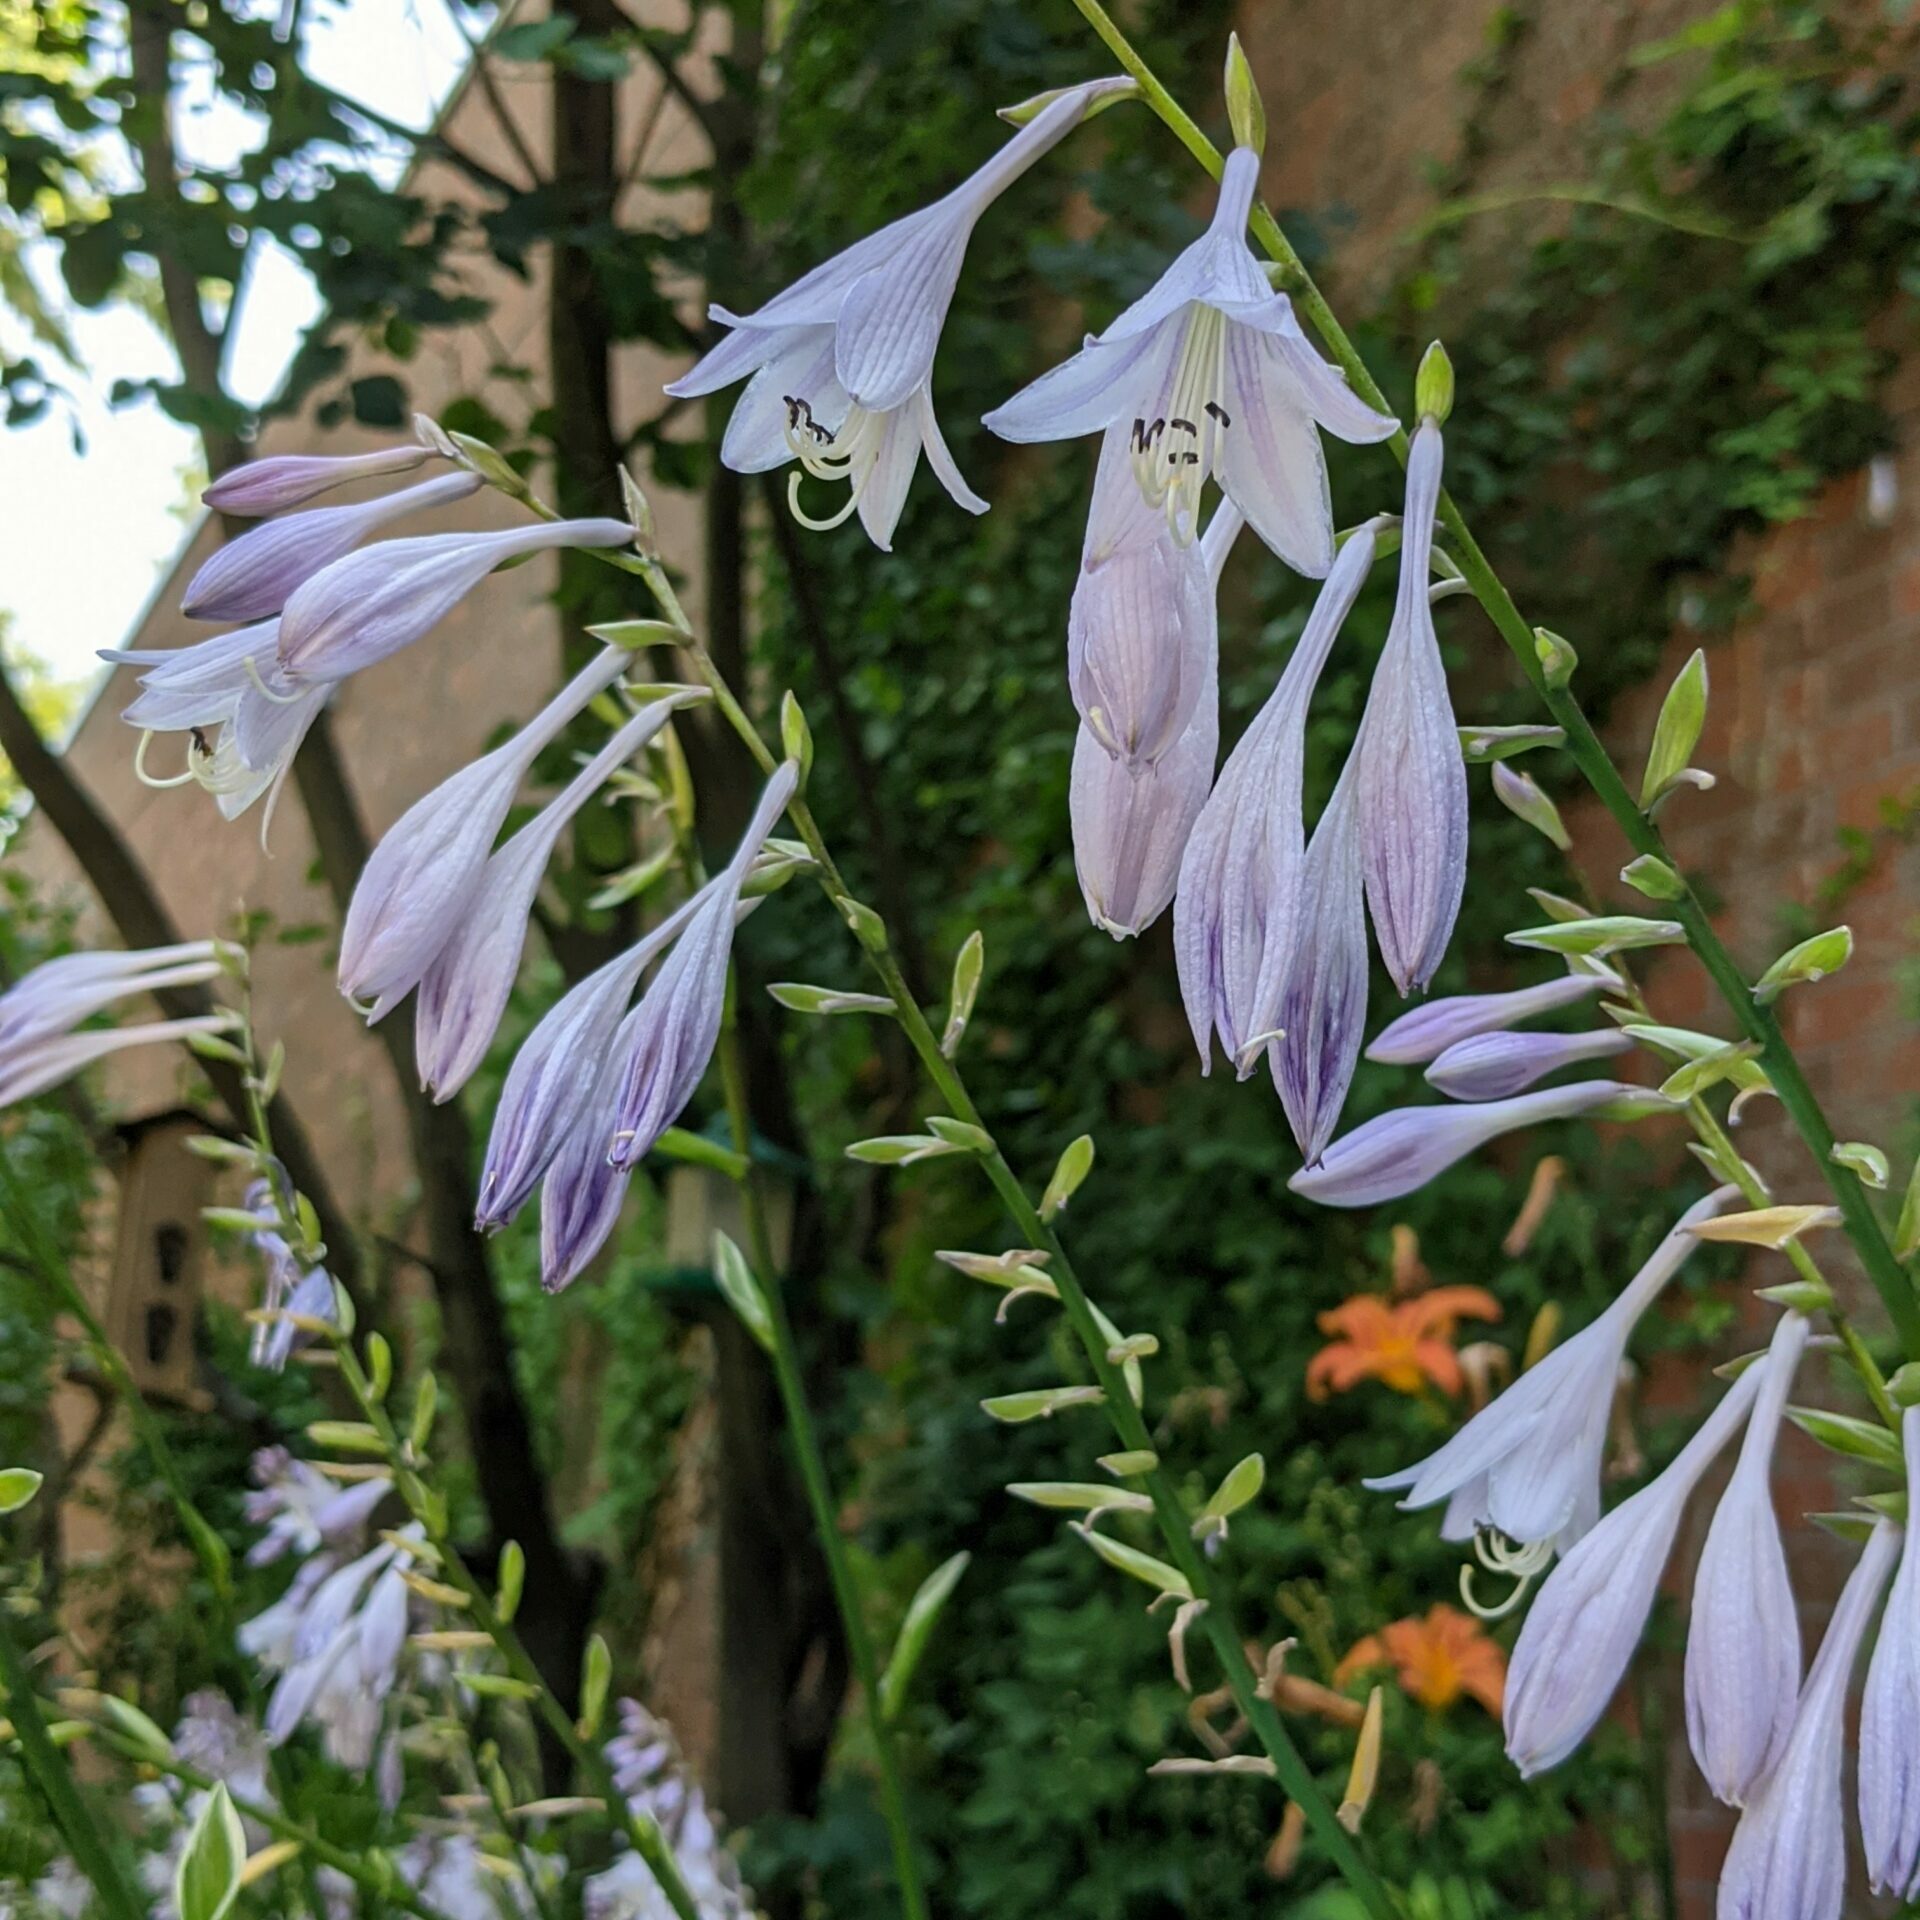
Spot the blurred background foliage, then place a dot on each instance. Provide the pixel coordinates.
(1686, 349)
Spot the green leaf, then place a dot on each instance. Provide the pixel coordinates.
(696, 1150)
(1479, 745)
(207, 1879)
(968, 966)
(797, 997)
(1857, 1439)
(1242, 1483)
(18, 1485)
(1677, 732)
(900, 1149)
(1073, 1166)
(1039, 1403)
(1138, 1565)
(1611, 933)
(1811, 960)
(1653, 877)
(1709, 1069)
(923, 1610)
(533, 39)
(960, 1134)
(741, 1290)
(1079, 1496)
(1124, 1466)
(1863, 1159)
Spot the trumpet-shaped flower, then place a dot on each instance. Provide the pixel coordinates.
(552, 1081)
(1396, 1153)
(251, 577)
(582, 1191)
(1436, 1660)
(1404, 1344)
(1743, 1641)
(464, 993)
(1212, 378)
(284, 480)
(1425, 1032)
(372, 604)
(1496, 1066)
(417, 886)
(678, 1018)
(1529, 1463)
(1587, 1619)
(58, 994)
(1413, 782)
(1788, 1860)
(1890, 1715)
(842, 361)
(304, 1512)
(39, 1064)
(1322, 1009)
(1236, 913)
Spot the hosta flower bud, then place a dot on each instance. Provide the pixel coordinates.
(1424, 1033)
(1890, 1714)
(284, 480)
(1496, 1066)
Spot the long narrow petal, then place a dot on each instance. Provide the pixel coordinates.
(1496, 1066)
(42, 1064)
(1425, 1032)
(1272, 467)
(1322, 387)
(284, 480)
(1097, 386)
(1890, 1714)
(756, 437)
(582, 1192)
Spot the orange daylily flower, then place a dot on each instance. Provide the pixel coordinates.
(1436, 1660)
(1405, 1344)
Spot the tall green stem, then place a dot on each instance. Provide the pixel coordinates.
(785, 1356)
(92, 1852)
(1755, 1020)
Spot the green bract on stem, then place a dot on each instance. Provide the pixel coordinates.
(1755, 1019)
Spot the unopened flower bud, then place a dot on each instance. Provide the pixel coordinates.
(1433, 385)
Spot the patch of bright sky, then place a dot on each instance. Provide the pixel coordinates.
(90, 529)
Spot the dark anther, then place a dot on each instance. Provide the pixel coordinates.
(1219, 413)
(800, 414)
(199, 740)
(1189, 460)
(1139, 436)
(1186, 426)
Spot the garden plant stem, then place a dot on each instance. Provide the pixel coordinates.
(1757, 1021)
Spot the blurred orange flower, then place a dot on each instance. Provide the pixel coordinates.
(1405, 1344)
(1436, 1660)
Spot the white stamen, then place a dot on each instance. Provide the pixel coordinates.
(1174, 457)
(850, 455)
(147, 779)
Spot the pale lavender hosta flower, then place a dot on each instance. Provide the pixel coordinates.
(418, 883)
(458, 1880)
(1743, 1639)
(649, 1772)
(1586, 1620)
(464, 993)
(1131, 822)
(553, 1079)
(1413, 782)
(223, 1745)
(58, 994)
(1212, 378)
(305, 1513)
(1235, 916)
(1890, 1714)
(1788, 1860)
(581, 1190)
(678, 1018)
(372, 604)
(1425, 1032)
(842, 361)
(1529, 1463)
(293, 1293)
(1396, 1153)
(283, 480)
(250, 578)
(1496, 1066)
(1322, 1009)
(37, 1065)
(345, 1655)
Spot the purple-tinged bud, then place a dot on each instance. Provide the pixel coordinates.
(60, 993)
(1788, 1860)
(583, 1191)
(1583, 1627)
(372, 604)
(284, 480)
(553, 1077)
(1496, 1066)
(39, 1064)
(1424, 1033)
(1323, 1002)
(412, 892)
(678, 1018)
(1397, 1153)
(1235, 916)
(1413, 784)
(1743, 1639)
(465, 991)
(1890, 1714)
(250, 578)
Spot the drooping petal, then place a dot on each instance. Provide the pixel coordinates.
(1743, 1639)
(284, 480)
(1272, 467)
(1413, 783)
(1321, 386)
(890, 318)
(1788, 1860)
(250, 578)
(1100, 384)
(1582, 1629)
(1890, 1714)
(40, 1064)
(582, 1191)
(1496, 1066)
(800, 374)
(1425, 1032)
(882, 491)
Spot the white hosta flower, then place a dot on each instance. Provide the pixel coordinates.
(416, 887)
(1529, 1463)
(842, 361)
(1890, 1715)
(464, 993)
(1211, 377)
(54, 997)
(1788, 1860)
(1586, 1620)
(303, 1511)
(39, 1064)
(1743, 1640)
(1235, 918)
